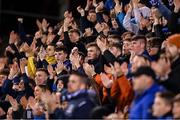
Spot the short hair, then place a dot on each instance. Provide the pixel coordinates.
(138, 37)
(114, 36)
(91, 11)
(116, 45)
(167, 96)
(127, 39)
(92, 44)
(4, 72)
(177, 98)
(59, 49)
(43, 87)
(75, 30)
(83, 78)
(141, 38)
(43, 70)
(155, 42)
(125, 33)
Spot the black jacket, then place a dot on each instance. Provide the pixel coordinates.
(79, 106)
(173, 81)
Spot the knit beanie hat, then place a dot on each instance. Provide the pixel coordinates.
(174, 39)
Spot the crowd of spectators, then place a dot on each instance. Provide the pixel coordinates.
(119, 60)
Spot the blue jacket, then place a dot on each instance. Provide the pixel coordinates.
(79, 105)
(141, 107)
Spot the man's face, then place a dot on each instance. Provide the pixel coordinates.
(74, 83)
(60, 56)
(114, 23)
(50, 51)
(171, 51)
(2, 79)
(153, 51)
(176, 110)
(73, 36)
(137, 62)
(92, 17)
(60, 85)
(126, 47)
(93, 53)
(21, 86)
(40, 77)
(136, 46)
(160, 108)
(140, 82)
(115, 51)
(37, 92)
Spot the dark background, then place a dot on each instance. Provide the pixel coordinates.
(31, 10)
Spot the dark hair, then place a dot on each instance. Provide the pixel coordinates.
(149, 35)
(83, 77)
(75, 30)
(43, 70)
(138, 37)
(59, 49)
(116, 45)
(141, 38)
(4, 72)
(114, 36)
(167, 96)
(155, 42)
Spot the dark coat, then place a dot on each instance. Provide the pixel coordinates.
(173, 81)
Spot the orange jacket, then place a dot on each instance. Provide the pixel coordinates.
(121, 91)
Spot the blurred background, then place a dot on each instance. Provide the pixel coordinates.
(30, 10)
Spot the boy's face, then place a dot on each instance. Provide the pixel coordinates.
(176, 110)
(50, 51)
(60, 56)
(60, 85)
(160, 107)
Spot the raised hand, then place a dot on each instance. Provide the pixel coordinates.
(23, 63)
(24, 102)
(94, 3)
(81, 10)
(45, 24)
(89, 69)
(39, 25)
(118, 7)
(88, 4)
(31, 102)
(9, 49)
(99, 7)
(107, 83)
(13, 103)
(14, 70)
(102, 43)
(60, 67)
(50, 71)
(177, 6)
